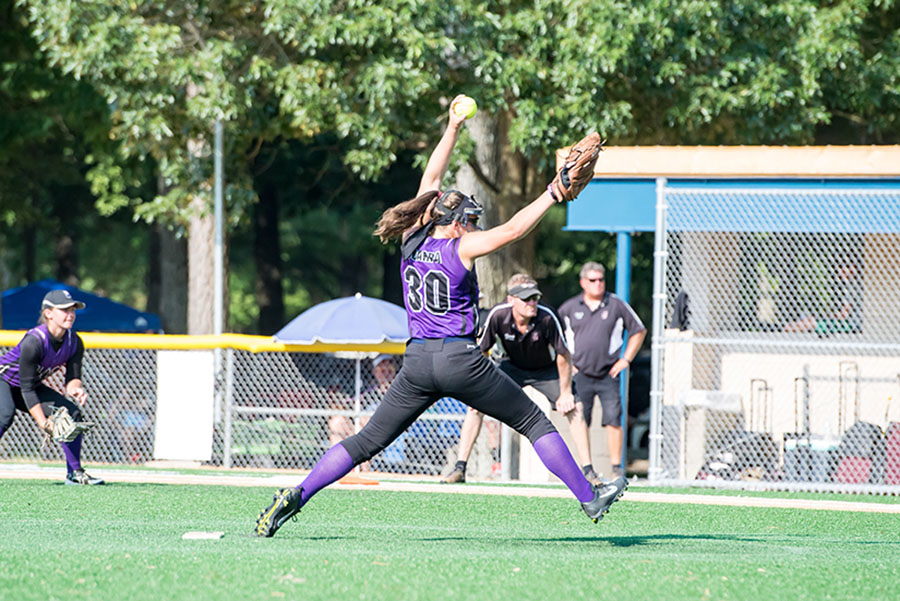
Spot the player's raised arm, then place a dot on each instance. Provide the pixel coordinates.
(440, 156)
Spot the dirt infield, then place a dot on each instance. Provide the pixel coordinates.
(394, 483)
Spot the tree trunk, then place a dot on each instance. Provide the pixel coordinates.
(154, 272)
(504, 181)
(167, 275)
(173, 278)
(201, 274)
(392, 285)
(30, 255)
(267, 254)
(202, 245)
(65, 249)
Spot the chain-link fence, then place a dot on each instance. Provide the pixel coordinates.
(269, 409)
(786, 371)
(286, 409)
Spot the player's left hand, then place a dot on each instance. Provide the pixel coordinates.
(618, 367)
(565, 403)
(78, 393)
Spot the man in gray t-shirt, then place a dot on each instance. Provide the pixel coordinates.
(596, 322)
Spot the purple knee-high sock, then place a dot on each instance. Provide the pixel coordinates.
(72, 451)
(556, 457)
(334, 464)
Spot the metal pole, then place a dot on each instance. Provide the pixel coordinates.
(218, 255)
(623, 291)
(229, 406)
(656, 358)
(357, 405)
(218, 268)
(506, 468)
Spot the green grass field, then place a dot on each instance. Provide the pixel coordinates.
(123, 541)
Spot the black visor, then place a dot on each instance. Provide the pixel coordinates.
(466, 213)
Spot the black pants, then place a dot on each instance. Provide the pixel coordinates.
(11, 399)
(455, 368)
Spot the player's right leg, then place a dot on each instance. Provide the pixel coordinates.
(472, 380)
(467, 436)
(75, 474)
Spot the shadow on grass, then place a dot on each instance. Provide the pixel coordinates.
(635, 541)
(653, 539)
(618, 541)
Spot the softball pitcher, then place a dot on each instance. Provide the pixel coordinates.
(441, 239)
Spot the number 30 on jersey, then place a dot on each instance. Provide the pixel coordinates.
(431, 292)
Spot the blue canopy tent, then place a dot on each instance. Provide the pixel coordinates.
(22, 305)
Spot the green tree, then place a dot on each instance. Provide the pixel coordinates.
(379, 76)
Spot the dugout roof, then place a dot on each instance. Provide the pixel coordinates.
(622, 196)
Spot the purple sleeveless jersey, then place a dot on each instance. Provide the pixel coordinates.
(50, 360)
(440, 294)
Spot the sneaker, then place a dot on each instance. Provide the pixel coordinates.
(596, 479)
(604, 496)
(457, 476)
(285, 505)
(82, 477)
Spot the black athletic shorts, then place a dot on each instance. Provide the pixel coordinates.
(451, 367)
(610, 399)
(11, 399)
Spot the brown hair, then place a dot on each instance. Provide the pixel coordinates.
(399, 218)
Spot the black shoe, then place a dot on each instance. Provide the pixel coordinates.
(604, 496)
(83, 478)
(457, 476)
(285, 505)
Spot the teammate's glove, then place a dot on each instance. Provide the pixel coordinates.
(62, 428)
(578, 169)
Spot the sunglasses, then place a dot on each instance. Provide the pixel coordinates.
(595, 280)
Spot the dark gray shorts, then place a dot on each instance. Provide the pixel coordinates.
(610, 399)
(546, 381)
(446, 368)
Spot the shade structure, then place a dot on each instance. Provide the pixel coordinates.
(22, 307)
(353, 319)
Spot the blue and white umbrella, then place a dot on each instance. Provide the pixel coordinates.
(354, 319)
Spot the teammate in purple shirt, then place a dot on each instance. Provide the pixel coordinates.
(441, 239)
(44, 350)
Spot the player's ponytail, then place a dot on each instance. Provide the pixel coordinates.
(399, 218)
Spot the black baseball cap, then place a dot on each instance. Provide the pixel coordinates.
(525, 291)
(61, 299)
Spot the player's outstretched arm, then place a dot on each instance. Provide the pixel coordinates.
(477, 244)
(569, 181)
